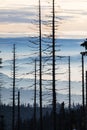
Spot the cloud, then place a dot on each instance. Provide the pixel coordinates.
(17, 16)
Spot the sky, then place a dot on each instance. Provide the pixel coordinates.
(19, 18)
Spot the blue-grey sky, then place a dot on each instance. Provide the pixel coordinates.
(26, 49)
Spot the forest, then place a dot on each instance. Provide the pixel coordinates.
(28, 118)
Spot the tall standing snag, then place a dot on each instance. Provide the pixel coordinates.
(40, 54)
(0, 80)
(35, 100)
(54, 90)
(13, 111)
(69, 85)
(18, 110)
(84, 44)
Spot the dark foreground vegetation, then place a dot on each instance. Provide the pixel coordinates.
(28, 120)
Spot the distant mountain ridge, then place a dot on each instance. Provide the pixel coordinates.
(27, 97)
(27, 94)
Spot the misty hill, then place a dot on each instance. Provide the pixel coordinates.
(27, 94)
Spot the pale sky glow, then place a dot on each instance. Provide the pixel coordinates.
(75, 4)
(15, 28)
(15, 17)
(9, 3)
